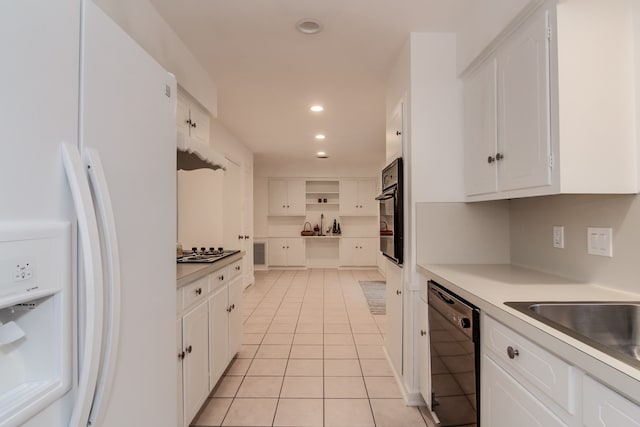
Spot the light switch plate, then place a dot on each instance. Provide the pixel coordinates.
(558, 236)
(600, 241)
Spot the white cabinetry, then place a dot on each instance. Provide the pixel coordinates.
(393, 336)
(286, 251)
(603, 407)
(195, 342)
(423, 350)
(540, 110)
(358, 251)
(287, 197)
(357, 197)
(507, 110)
(506, 403)
(225, 319)
(208, 335)
(192, 120)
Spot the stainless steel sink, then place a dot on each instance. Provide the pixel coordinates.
(612, 327)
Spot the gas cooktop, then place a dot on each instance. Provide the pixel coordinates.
(205, 256)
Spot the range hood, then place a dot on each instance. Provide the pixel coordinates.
(193, 154)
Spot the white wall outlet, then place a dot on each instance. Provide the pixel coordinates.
(22, 270)
(558, 236)
(600, 241)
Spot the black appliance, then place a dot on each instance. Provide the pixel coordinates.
(391, 212)
(454, 337)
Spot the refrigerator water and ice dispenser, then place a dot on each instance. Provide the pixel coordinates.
(35, 317)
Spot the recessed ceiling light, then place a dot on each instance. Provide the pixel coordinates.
(316, 108)
(321, 155)
(309, 26)
(320, 136)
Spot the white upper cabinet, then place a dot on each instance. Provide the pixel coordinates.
(543, 115)
(357, 197)
(192, 120)
(287, 197)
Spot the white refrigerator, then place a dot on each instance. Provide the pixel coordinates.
(87, 222)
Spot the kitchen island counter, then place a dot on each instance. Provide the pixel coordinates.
(490, 286)
(187, 273)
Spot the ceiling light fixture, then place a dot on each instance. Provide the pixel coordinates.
(317, 108)
(309, 26)
(320, 136)
(321, 155)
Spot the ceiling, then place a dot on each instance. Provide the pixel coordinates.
(268, 74)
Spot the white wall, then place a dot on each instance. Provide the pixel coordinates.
(199, 209)
(532, 220)
(482, 22)
(144, 24)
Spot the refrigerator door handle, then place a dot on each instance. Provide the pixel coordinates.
(107, 221)
(92, 265)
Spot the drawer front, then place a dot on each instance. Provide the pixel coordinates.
(541, 368)
(219, 278)
(235, 269)
(604, 407)
(195, 292)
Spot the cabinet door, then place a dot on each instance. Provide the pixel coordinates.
(393, 337)
(604, 407)
(523, 108)
(349, 197)
(200, 123)
(506, 403)
(278, 197)
(296, 197)
(295, 252)
(348, 251)
(480, 131)
(179, 350)
(368, 248)
(235, 316)
(367, 192)
(277, 252)
(423, 352)
(218, 334)
(182, 115)
(195, 339)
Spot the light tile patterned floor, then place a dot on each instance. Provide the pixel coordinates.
(311, 356)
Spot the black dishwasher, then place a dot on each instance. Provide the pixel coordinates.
(454, 337)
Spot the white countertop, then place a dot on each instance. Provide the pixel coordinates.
(187, 273)
(490, 286)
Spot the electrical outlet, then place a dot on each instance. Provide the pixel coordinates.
(23, 270)
(600, 241)
(558, 236)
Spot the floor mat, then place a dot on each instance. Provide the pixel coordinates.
(375, 293)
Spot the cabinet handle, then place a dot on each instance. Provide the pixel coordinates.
(512, 352)
(398, 133)
(193, 125)
(284, 206)
(423, 332)
(246, 237)
(499, 156)
(288, 206)
(233, 306)
(491, 159)
(221, 277)
(237, 268)
(189, 349)
(188, 121)
(198, 291)
(287, 247)
(398, 292)
(241, 237)
(181, 356)
(229, 309)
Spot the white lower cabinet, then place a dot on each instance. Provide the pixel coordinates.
(393, 336)
(358, 251)
(423, 351)
(506, 403)
(603, 407)
(195, 344)
(208, 335)
(285, 252)
(525, 385)
(225, 324)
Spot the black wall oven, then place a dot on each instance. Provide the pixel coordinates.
(391, 213)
